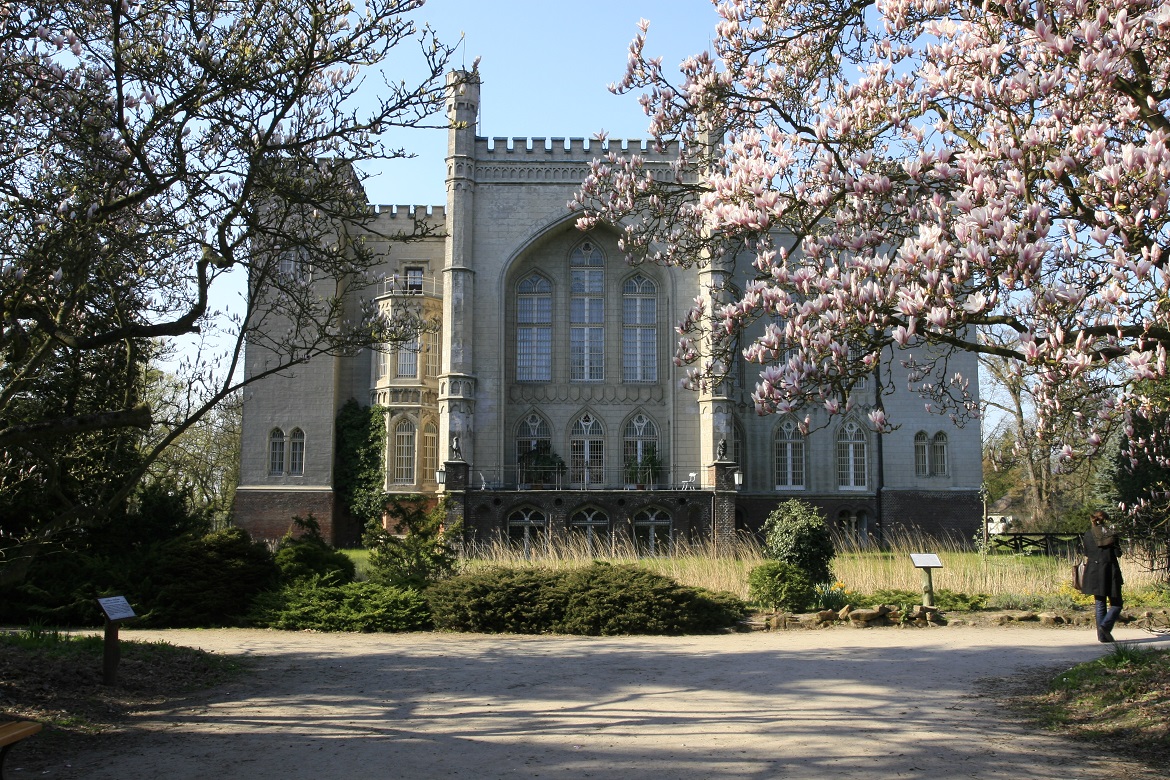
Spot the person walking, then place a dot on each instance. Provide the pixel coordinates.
(1102, 578)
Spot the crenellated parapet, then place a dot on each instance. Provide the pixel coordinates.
(409, 215)
(524, 160)
(577, 150)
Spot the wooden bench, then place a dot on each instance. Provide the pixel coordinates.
(11, 733)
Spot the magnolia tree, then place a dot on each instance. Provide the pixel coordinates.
(146, 151)
(913, 179)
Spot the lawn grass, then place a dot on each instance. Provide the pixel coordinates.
(1121, 700)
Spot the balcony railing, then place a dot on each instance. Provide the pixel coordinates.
(398, 285)
(510, 478)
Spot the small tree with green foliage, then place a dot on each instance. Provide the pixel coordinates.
(780, 586)
(306, 555)
(416, 551)
(796, 533)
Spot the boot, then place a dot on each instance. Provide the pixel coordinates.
(1104, 625)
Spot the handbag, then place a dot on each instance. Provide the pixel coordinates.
(1078, 573)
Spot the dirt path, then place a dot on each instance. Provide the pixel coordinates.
(872, 703)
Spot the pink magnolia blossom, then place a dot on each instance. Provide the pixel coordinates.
(962, 176)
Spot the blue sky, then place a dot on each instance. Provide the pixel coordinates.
(545, 66)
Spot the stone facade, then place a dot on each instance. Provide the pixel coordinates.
(550, 344)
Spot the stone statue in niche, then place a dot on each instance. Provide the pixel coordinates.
(722, 449)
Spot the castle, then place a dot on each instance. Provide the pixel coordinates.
(548, 402)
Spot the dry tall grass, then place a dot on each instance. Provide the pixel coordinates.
(862, 570)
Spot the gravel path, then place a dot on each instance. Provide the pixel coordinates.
(842, 702)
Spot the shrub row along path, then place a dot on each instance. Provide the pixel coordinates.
(841, 702)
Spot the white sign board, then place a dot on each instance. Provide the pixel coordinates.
(925, 561)
(116, 608)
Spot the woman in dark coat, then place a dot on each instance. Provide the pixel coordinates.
(1102, 578)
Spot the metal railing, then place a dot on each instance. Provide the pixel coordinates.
(509, 478)
(398, 285)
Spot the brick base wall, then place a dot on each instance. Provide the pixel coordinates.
(940, 514)
(267, 514)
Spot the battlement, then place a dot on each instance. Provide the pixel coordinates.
(433, 214)
(577, 150)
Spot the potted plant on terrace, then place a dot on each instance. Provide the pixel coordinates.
(540, 466)
(644, 471)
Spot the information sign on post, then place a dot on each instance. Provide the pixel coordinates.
(116, 609)
(926, 562)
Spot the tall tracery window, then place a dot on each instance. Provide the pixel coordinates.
(532, 432)
(534, 329)
(276, 453)
(587, 313)
(296, 453)
(930, 455)
(407, 367)
(851, 457)
(587, 451)
(434, 349)
(532, 435)
(938, 455)
(639, 330)
(404, 434)
(789, 456)
(430, 450)
(639, 439)
(921, 454)
(381, 362)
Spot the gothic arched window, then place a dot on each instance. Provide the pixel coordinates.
(296, 453)
(404, 434)
(789, 456)
(534, 329)
(586, 313)
(639, 330)
(851, 457)
(587, 451)
(276, 453)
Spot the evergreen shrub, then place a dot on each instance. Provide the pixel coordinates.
(309, 555)
(597, 600)
(315, 604)
(419, 553)
(781, 587)
(499, 600)
(207, 581)
(605, 600)
(795, 533)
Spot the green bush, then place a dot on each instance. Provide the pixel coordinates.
(604, 600)
(795, 533)
(317, 605)
(599, 599)
(308, 555)
(208, 581)
(498, 600)
(780, 586)
(419, 553)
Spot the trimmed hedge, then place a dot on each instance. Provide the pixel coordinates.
(598, 600)
(354, 606)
